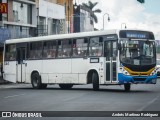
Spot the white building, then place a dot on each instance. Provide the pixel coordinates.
(51, 18)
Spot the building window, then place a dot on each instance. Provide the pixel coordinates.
(29, 11)
(15, 15)
(22, 12)
(42, 28)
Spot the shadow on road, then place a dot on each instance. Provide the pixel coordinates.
(87, 89)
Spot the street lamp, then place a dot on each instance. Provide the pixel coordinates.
(124, 24)
(103, 19)
(75, 5)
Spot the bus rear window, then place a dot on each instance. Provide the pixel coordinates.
(10, 52)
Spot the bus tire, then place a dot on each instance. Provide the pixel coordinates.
(95, 81)
(65, 86)
(36, 80)
(44, 86)
(127, 87)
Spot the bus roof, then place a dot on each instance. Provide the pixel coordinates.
(61, 36)
(67, 36)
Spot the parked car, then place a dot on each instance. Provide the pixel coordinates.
(158, 67)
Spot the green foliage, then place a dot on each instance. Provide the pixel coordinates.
(141, 1)
(91, 6)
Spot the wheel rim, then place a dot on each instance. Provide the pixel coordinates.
(35, 81)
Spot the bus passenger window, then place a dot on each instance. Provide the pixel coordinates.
(10, 52)
(80, 47)
(64, 49)
(95, 46)
(49, 49)
(35, 51)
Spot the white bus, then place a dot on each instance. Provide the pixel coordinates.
(111, 57)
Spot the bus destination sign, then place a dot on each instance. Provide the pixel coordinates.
(134, 34)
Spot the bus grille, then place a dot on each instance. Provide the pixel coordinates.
(139, 79)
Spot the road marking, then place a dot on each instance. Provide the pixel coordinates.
(14, 96)
(149, 103)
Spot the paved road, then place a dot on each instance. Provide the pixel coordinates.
(21, 97)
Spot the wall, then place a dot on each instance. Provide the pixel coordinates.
(51, 10)
(69, 13)
(10, 11)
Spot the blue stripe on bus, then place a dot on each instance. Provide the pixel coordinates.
(135, 79)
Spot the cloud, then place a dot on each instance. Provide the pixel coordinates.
(130, 12)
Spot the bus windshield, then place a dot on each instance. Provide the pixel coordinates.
(138, 52)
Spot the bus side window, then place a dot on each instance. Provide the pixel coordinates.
(35, 51)
(49, 49)
(75, 50)
(64, 48)
(80, 46)
(10, 52)
(95, 46)
(59, 49)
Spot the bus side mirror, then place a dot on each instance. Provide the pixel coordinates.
(119, 46)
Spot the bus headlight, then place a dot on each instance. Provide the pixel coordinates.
(123, 71)
(154, 72)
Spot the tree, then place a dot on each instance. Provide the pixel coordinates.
(91, 6)
(141, 1)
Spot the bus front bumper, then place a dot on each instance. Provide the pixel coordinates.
(137, 79)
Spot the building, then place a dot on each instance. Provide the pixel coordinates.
(30, 18)
(83, 21)
(20, 21)
(68, 4)
(54, 16)
(51, 17)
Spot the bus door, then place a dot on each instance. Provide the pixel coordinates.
(21, 57)
(111, 61)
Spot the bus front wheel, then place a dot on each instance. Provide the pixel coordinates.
(36, 80)
(43, 86)
(65, 86)
(127, 87)
(95, 81)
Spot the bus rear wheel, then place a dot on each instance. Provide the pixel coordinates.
(95, 81)
(36, 80)
(127, 87)
(65, 86)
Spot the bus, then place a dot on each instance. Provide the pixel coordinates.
(109, 57)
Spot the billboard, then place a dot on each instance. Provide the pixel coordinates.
(3, 8)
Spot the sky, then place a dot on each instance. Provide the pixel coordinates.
(130, 13)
